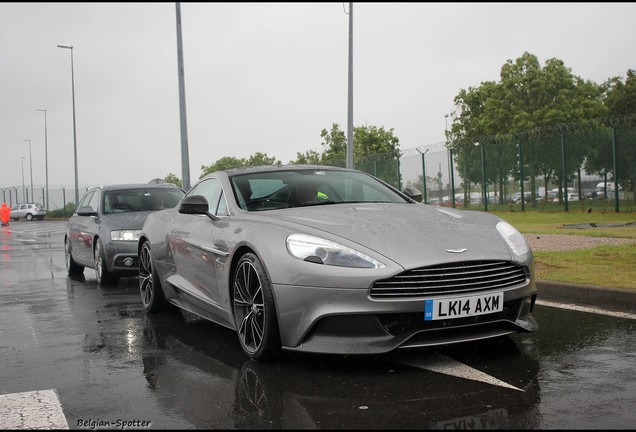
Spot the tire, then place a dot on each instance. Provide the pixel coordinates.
(254, 310)
(104, 277)
(29, 217)
(152, 297)
(72, 268)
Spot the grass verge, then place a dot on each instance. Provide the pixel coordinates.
(607, 265)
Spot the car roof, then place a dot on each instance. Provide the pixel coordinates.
(271, 168)
(114, 187)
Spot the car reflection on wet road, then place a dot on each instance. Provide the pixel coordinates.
(110, 361)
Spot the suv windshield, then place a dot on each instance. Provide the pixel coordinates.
(135, 200)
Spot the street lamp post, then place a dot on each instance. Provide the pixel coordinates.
(450, 162)
(31, 168)
(23, 190)
(349, 159)
(423, 172)
(185, 155)
(70, 47)
(483, 176)
(46, 159)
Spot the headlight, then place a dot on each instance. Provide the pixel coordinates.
(314, 249)
(125, 235)
(515, 240)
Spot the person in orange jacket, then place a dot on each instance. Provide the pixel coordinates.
(5, 214)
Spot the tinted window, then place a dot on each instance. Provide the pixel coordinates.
(142, 199)
(279, 189)
(85, 199)
(94, 201)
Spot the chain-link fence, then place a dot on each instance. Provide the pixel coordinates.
(567, 166)
(562, 167)
(61, 199)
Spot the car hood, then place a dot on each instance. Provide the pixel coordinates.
(410, 234)
(130, 220)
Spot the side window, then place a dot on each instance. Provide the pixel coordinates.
(94, 201)
(222, 208)
(212, 191)
(85, 200)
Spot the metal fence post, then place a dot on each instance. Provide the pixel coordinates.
(616, 196)
(565, 179)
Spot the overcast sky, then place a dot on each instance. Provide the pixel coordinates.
(262, 77)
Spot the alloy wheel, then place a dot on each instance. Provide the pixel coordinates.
(146, 281)
(249, 306)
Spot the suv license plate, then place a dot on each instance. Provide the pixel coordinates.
(461, 307)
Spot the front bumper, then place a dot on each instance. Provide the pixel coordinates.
(348, 321)
(121, 258)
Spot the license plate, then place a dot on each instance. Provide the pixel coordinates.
(461, 307)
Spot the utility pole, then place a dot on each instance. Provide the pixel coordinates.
(185, 157)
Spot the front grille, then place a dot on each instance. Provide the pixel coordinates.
(451, 278)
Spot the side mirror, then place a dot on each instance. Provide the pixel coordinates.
(86, 211)
(413, 193)
(196, 205)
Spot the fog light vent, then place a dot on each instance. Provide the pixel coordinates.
(128, 262)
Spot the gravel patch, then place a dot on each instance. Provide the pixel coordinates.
(564, 242)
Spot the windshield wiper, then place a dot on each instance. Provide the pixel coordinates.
(313, 203)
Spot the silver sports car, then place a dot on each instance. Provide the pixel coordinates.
(331, 260)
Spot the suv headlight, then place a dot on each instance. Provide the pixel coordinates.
(513, 237)
(125, 235)
(321, 251)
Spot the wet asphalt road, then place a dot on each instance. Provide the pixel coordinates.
(112, 364)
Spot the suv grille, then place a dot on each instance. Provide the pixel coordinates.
(452, 278)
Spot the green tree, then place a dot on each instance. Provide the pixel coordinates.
(224, 163)
(620, 97)
(620, 100)
(469, 130)
(171, 178)
(375, 150)
(335, 145)
(528, 97)
(259, 158)
(310, 157)
(229, 162)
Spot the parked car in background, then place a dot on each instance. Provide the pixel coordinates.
(610, 187)
(571, 196)
(332, 260)
(594, 195)
(515, 198)
(28, 211)
(102, 234)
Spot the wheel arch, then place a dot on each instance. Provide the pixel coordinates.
(238, 254)
(140, 243)
(94, 245)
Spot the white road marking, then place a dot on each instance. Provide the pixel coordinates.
(443, 364)
(589, 309)
(40, 409)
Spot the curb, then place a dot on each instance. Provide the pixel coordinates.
(614, 299)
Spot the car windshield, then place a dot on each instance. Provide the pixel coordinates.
(307, 187)
(135, 200)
